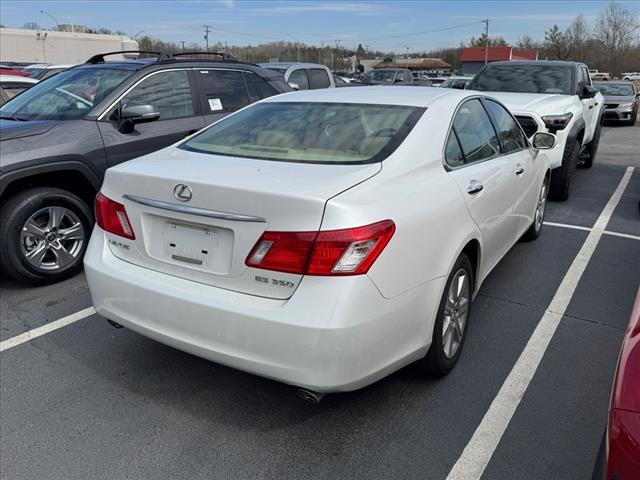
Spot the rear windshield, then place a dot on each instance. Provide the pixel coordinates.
(616, 89)
(310, 132)
(524, 79)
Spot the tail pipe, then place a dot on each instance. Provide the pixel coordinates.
(310, 396)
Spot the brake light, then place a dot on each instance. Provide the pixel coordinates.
(351, 251)
(112, 217)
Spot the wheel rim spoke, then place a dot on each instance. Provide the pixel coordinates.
(36, 255)
(56, 214)
(75, 232)
(63, 256)
(33, 229)
(455, 313)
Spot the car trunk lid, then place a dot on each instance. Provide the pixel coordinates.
(232, 202)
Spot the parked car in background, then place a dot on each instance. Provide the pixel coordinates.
(303, 76)
(622, 436)
(221, 246)
(456, 82)
(12, 85)
(633, 76)
(601, 76)
(341, 81)
(40, 71)
(621, 101)
(551, 96)
(60, 136)
(396, 76)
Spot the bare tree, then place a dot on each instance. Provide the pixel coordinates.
(577, 36)
(615, 29)
(525, 42)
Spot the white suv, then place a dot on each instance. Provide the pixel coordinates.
(555, 97)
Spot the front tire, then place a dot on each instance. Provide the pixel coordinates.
(561, 177)
(451, 325)
(43, 235)
(588, 155)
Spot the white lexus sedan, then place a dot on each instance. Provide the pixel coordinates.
(321, 238)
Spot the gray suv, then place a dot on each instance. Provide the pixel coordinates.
(58, 138)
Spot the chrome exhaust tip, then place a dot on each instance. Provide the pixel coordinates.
(310, 396)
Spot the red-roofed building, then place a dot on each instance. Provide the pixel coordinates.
(473, 57)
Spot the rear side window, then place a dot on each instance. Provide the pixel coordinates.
(299, 77)
(477, 137)
(318, 78)
(512, 137)
(453, 152)
(168, 92)
(309, 132)
(224, 90)
(257, 87)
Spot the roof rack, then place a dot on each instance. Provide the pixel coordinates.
(99, 58)
(225, 57)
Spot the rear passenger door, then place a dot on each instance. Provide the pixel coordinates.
(484, 176)
(222, 92)
(300, 78)
(318, 78)
(171, 93)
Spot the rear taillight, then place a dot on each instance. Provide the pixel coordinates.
(350, 251)
(112, 217)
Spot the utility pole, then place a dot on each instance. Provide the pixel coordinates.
(320, 53)
(297, 45)
(182, 42)
(207, 29)
(337, 45)
(486, 40)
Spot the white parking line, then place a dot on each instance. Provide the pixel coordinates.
(478, 452)
(588, 229)
(44, 329)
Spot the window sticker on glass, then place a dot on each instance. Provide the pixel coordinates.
(215, 104)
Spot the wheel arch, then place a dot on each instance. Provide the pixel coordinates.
(72, 176)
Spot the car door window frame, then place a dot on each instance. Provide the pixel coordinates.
(205, 102)
(451, 128)
(498, 131)
(195, 95)
(304, 71)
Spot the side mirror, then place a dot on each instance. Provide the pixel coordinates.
(130, 116)
(544, 141)
(588, 91)
(293, 85)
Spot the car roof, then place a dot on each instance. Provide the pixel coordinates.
(376, 95)
(66, 65)
(549, 63)
(17, 79)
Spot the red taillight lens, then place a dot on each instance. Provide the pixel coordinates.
(350, 251)
(112, 217)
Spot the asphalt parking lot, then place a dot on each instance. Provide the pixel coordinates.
(91, 401)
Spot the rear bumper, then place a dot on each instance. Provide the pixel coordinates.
(333, 334)
(623, 445)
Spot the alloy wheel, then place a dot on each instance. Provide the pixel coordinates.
(455, 313)
(52, 238)
(541, 206)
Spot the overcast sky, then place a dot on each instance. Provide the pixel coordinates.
(383, 25)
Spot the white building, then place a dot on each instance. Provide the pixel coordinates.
(39, 46)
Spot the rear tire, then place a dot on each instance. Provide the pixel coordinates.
(588, 155)
(452, 323)
(43, 235)
(561, 177)
(538, 216)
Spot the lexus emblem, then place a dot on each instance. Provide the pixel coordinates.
(182, 192)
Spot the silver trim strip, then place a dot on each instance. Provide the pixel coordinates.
(201, 212)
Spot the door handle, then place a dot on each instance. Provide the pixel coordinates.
(519, 170)
(474, 187)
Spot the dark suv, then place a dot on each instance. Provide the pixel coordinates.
(58, 138)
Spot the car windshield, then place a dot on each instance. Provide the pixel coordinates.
(310, 132)
(68, 95)
(524, 79)
(381, 75)
(616, 89)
